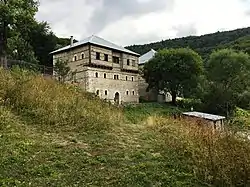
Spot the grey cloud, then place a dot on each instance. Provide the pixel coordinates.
(248, 12)
(247, 4)
(140, 39)
(68, 16)
(109, 11)
(87, 17)
(185, 30)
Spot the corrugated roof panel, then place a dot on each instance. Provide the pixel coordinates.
(204, 116)
(98, 41)
(147, 56)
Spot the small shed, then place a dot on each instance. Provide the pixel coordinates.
(214, 121)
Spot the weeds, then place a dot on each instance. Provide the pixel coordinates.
(56, 135)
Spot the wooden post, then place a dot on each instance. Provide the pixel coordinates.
(3, 61)
(3, 41)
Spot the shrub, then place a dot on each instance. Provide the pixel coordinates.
(240, 120)
(209, 158)
(49, 103)
(189, 103)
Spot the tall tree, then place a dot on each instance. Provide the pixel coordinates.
(62, 70)
(228, 72)
(43, 41)
(15, 16)
(4, 19)
(174, 71)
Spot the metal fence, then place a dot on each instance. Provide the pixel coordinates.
(45, 70)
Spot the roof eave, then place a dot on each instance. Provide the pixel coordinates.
(57, 51)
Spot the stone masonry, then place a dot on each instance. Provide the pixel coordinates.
(110, 73)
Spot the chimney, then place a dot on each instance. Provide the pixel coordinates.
(71, 41)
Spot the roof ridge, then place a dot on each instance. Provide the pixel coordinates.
(99, 41)
(91, 37)
(109, 41)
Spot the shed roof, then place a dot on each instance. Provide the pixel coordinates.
(204, 116)
(97, 41)
(146, 57)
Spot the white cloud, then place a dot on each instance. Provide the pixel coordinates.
(127, 23)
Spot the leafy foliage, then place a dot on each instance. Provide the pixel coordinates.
(241, 44)
(15, 16)
(61, 69)
(173, 70)
(228, 73)
(43, 41)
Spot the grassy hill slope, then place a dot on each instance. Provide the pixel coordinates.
(56, 135)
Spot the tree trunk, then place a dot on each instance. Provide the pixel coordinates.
(174, 96)
(3, 49)
(3, 62)
(3, 42)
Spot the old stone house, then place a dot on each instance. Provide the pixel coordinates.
(101, 67)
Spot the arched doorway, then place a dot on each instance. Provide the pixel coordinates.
(116, 99)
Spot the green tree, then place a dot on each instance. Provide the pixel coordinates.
(43, 41)
(228, 73)
(62, 70)
(15, 17)
(174, 70)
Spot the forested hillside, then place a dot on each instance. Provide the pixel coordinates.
(241, 44)
(201, 44)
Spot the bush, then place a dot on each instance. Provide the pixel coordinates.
(49, 103)
(240, 120)
(244, 100)
(209, 158)
(189, 103)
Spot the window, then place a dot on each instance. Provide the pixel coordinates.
(126, 78)
(116, 59)
(128, 62)
(97, 92)
(133, 92)
(133, 62)
(106, 92)
(127, 92)
(132, 78)
(83, 55)
(98, 56)
(96, 74)
(106, 57)
(116, 77)
(104, 75)
(75, 58)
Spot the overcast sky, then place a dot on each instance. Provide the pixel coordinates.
(128, 22)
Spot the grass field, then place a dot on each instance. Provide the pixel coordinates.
(56, 135)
